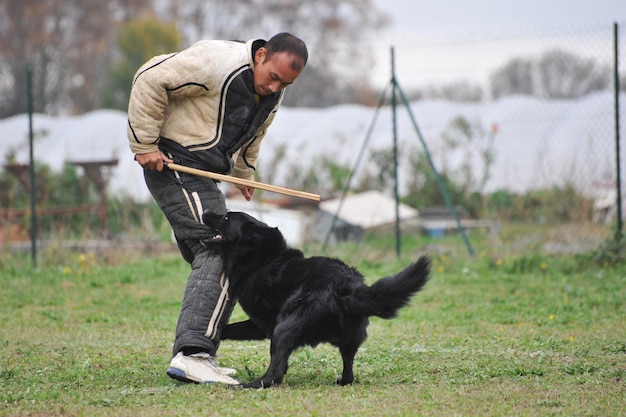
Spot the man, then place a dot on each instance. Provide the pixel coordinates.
(207, 107)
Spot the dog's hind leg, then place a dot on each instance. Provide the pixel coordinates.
(347, 354)
(354, 334)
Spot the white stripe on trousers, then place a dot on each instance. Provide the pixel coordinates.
(218, 312)
(191, 207)
(196, 199)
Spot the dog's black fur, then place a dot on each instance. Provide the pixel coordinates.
(297, 301)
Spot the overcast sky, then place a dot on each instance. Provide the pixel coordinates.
(434, 39)
(461, 16)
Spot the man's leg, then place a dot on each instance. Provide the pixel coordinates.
(205, 311)
(206, 304)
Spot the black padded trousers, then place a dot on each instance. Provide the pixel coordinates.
(206, 306)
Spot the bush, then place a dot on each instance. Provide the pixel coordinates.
(556, 205)
(611, 253)
(68, 206)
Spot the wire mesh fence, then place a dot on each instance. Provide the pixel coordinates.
(517, 112)
(531, 110)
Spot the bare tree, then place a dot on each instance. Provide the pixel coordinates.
(337, 33)
(555, 74)
(69, 44)
(516, 77)
(66, 43)
(565, 75)
(460, 91)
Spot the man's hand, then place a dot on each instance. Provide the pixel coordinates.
(247, 192)
(152, 161)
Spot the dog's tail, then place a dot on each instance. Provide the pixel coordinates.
(387, 295)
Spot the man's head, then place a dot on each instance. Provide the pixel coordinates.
(278, 63)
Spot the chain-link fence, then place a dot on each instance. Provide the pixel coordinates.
(519, 112)
(524, 111)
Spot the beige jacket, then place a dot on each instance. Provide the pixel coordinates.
(199, 105)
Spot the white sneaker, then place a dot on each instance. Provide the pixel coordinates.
(200, 368)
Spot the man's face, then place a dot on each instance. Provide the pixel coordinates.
(274, 74)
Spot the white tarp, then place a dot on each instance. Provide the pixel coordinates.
(369, 209)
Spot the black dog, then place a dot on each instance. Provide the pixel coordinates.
(297, 301)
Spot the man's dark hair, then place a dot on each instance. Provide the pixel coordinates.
(286, 42)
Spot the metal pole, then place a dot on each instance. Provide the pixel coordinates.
(618, 185)
(395, 151)
(31, 168)
(440, 182)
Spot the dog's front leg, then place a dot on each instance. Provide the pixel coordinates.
(283, 343)
(279, 358)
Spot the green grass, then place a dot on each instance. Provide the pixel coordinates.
(505, 333)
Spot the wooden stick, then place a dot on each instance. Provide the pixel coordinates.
(240, 181)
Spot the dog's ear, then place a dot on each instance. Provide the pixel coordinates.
(262, 236)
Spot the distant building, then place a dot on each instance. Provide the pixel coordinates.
(358, 213)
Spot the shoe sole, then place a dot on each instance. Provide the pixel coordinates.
(179, 375)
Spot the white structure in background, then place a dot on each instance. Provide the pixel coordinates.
(291, 223)
(359, 212)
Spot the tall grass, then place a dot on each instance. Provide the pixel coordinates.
(506, 333)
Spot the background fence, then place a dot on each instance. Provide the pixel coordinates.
(520, 111)
(513, 112)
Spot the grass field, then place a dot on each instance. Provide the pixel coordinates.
(515, 332)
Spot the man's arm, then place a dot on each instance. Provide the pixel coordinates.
(161, 79)
(146, 107)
